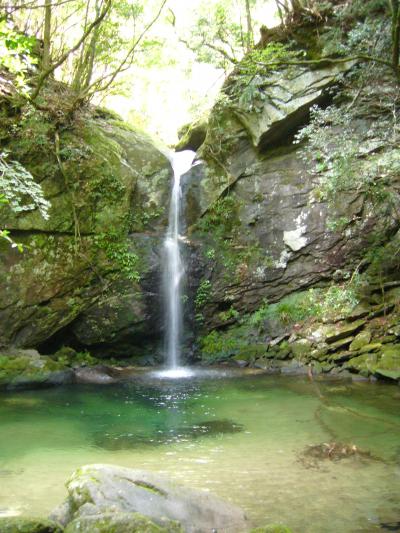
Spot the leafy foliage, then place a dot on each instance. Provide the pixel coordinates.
(334, 301)
(203, 293)
(16, 54)
(19, 188)
(119, 254)
(369, 36)
(341, 163)
(219, 35)
(217, 346)
(20, 192)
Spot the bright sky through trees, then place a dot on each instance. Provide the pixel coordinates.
(163, 97)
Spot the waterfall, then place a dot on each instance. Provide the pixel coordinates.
(174, 268)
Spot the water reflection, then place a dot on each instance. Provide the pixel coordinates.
(201, 429)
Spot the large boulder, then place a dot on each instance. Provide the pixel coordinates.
(96, 490)
(96, 257)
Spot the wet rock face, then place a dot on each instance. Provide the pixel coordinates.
(78, 277)
(262, 228)
(127, 318)
(280, 242)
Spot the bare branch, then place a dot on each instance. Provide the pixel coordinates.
(31, 5)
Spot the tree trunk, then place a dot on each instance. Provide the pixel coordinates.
(395, 35)
(250, 34)
(91, 51)
(80, 65)
(46, 35)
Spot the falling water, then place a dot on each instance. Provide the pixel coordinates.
(174, 268)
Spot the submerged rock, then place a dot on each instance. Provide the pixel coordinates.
(207, 428)
(95, 490)
(98, 375)
(335, 451)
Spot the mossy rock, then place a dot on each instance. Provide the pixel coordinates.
(283, 351)
(251, 352)
(322, 367)
(336, 333)
(364, 364)
(341, 343)
(385, 363)
(27, 370)
(360, 340)
(113, 182)
(120, 523)
(28, 525)
(368, 348)
(192, 136)
(388, 365)
(319, 354)
(301, 348)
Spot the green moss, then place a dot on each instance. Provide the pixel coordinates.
(15, 368)
(28, 525)
(218, 346)
(233, 344)
(67, 356)
(11, 367)
(120, 523)
(251, 352)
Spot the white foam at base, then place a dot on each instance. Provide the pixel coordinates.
(174, 373)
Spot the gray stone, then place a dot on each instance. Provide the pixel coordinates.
(98, 375)
(290, 95)
(97, 489)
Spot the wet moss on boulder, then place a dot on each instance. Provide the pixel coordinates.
(108, 185)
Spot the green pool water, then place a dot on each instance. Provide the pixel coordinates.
(241, 437)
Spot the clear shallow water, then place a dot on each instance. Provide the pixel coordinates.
(240, 437)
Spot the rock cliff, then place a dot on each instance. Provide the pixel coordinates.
(88, 275)
(294, 214)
